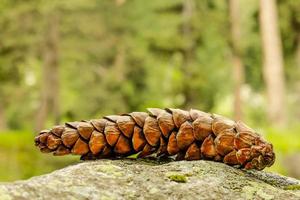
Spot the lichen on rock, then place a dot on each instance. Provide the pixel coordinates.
(180, 178)
(137, 179)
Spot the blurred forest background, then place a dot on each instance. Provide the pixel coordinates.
(75, 59)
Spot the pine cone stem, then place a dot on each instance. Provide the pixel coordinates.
(190, 135)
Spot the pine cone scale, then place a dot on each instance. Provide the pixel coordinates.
(138, 139)
(162, 150)
(193, 152)
(53, 141)
(126, 125)
(122, 146)
(112, 133)
(139, 118)
(151, 131)
(224, 143)
(208, 148)
(185, 136)
(97, 142)
(180, 116)
(69, 137)
(80, 147)
(172, 146)
(58, 130)
(166, 123)
(85, 129)
(61, 150)
(231, 158)
(202, 128)
(99, 124)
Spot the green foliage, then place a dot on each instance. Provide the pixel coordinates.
(285, 142)
(292, 187)
(120, 58)
(20, 159)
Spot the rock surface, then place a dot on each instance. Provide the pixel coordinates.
(144, 179)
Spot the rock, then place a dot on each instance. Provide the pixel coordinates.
(144, 179)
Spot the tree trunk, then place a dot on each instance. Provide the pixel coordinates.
(3, 124)
(120, 56)
(187, 13)
(238, 67)
(119, 62)
(120, 2)
(297, 57)
(298, 52)
(50, 75)
(273, 62)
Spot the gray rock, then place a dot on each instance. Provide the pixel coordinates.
(142, 179)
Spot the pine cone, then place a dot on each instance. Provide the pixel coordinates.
(189, 135)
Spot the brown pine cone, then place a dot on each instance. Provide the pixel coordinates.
(190, 135)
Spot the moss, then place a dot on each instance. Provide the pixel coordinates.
(180, 178)
(111, 170)
(256, 189)
(292, 187)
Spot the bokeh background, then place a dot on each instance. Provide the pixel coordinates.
(75, 59)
